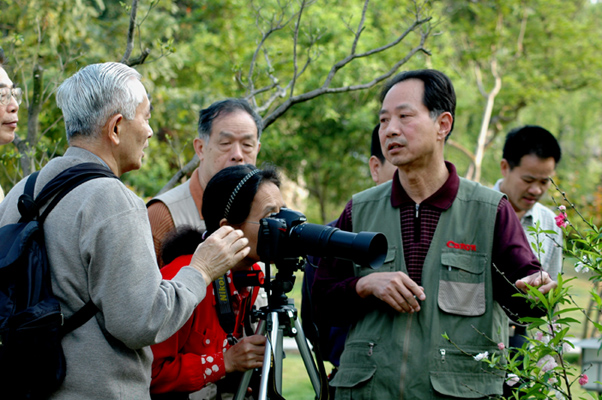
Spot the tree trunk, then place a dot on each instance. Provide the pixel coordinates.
(474, 173)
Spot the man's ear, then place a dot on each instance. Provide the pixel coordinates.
(504, 167)
(199, 147)
(223, 222)
(375, 165)
(114, 128)
(445, 124)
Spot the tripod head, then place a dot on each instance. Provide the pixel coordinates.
(283, 282)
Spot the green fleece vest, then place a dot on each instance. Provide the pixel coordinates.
(391, 355)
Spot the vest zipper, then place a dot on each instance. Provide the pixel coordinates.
(417, 225)
(370, 349)
(442, 352)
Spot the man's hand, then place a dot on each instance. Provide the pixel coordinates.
(541, 280)
(394, 288)
(246, 354)
(221, 251)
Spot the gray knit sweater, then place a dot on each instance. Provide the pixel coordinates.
(100, 247)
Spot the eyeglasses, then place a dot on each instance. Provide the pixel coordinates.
(5, 94)
(253, 222)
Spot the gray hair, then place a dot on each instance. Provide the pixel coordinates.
(96, 93)
(225, 107)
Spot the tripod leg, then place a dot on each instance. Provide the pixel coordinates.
(246, 378)
(272, 330)
(278, 357)
(308, 359)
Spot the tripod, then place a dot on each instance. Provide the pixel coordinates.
(276, 320)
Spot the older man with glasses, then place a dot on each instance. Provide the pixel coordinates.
(10, 98)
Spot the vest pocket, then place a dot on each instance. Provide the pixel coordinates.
(356, 372)
(459, 375)
(462, 284)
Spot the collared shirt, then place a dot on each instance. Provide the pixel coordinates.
(549, 251)
(335, 283)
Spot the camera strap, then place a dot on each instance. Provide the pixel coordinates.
(225, 314)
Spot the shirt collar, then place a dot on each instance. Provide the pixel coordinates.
(441, 199)
(80, 152)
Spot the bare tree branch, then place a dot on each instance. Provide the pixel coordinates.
(295, 42)
(521, 35)
(140, 59)
(185, 171)
(324, 89)
(130, 39)
(279, 92)
(464, 150)
(484, 132)
(419, 24)
(360, 27)
(275, 24)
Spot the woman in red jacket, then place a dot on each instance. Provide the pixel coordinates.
(202, 352)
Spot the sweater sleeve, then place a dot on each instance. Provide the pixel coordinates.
(138, 307)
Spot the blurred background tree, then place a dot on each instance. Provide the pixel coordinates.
(536, 61)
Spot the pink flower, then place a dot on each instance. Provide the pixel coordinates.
(561, 220)
(539, 336)
(561, 208)
(501, 346)
(547, 363)
(583, 379)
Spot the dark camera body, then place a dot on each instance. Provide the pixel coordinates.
(287, 235)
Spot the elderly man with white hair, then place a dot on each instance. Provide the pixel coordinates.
(100, 245)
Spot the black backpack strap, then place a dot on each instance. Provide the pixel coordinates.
(31, 183)
(60, 185)
(68, 180)
(80, 317)
(26, 205)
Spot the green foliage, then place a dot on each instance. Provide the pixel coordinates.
(540, 369)
(201, 51)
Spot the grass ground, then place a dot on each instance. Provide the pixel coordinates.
(297, 386)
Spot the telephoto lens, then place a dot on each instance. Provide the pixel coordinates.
(287, 235)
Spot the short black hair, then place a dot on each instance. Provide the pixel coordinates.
(220, 192)
(439, 94)
(530, 139)
(224, 107)
(375, 149)
(179, 242)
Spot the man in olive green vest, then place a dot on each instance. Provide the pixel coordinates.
(457, 253)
